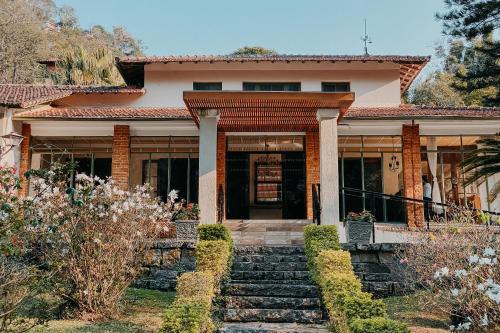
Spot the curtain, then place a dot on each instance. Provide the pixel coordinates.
(432, 158)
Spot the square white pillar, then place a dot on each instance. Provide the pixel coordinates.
(329, 169)
(207, 197)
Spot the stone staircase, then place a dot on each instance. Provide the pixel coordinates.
(270, 291)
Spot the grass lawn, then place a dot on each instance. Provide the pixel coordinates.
(142, 313)
(407, 309)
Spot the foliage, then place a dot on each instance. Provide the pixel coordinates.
(341, 290)
(188, 212)
(213, 256)
(319, 238)
(21, 279)
(470, 18)
(215, 232)
(457, 265)
(361, 305)
(93, 237)
(195, 291)
(187, 316)
(437, 90)
(253, 51)
(34, 30)
(377, 325)
(484, 162)
(364, 216)
(477, 20)
(196, 285)
(81, 67)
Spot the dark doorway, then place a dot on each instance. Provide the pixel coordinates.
(237, 189)
(265, 185)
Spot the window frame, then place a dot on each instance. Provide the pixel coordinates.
(334, 84)
(298, 83)
(195, 83)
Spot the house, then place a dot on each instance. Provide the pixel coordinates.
(258, 138)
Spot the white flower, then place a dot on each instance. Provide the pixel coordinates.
(454, 292)
(484, 320)
(460, 273)
(489, 252)
(442, 272)
(473, 259)
(485, 261)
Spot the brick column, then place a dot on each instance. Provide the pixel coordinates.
(120, 164)
(25, 159)
(312, 168)
(412, 175)
(221, 168)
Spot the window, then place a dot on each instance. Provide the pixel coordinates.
(335, 86)
(271, 86)
(207, 85)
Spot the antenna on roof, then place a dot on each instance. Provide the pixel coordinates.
(366, 40)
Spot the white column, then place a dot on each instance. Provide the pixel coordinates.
(8, 126)
(207, 198)
(329, 169)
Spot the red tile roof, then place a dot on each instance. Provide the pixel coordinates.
(107, 113)
(417, 111)
(153, 113)
(280, 57)
(132, 67)
(27, 95)
(104, 89)
(24, 96)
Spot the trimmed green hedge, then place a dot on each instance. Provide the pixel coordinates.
(191, 310)
(210, 232)
(349, 308)
(319, 238)
(186, 315)
(377, 325)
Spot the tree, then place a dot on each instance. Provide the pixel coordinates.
(80, 67)
(253, 51)
(436, 90)
(470, 19)
(33, 30)
(21, 41)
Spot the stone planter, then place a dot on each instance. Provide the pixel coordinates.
(186, 230)
(359, 231)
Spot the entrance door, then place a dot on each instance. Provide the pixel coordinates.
(294, 185)
(237, 190)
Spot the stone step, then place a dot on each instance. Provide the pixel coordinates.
(273, 315)
(270, 258)
(271, 266)
(240, 289)
(290, 282)
(269, 275)
(259, 302)
(268, 249)
(259, 327)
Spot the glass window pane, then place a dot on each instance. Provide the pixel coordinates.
(207, 85)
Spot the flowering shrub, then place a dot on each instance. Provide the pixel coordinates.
(94, 236)
(458, 265)
(20, 279)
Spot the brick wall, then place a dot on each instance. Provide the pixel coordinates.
(412, 174)
(121, 156)
(25, 160)
(312, 167)
(221, 164)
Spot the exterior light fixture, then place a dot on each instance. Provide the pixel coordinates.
(393, 162)
(9, 141)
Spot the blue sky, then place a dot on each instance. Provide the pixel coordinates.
(177, 27)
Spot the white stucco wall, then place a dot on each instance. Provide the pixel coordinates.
(373, 84)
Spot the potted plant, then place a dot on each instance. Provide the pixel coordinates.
(186, 220)
(359, 227)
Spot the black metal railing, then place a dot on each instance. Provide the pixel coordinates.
(389, 208)
(316, 204)
(220, 204)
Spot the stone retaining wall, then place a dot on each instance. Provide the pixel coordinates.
(378, 268)
(165, 261)
(375, 265)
